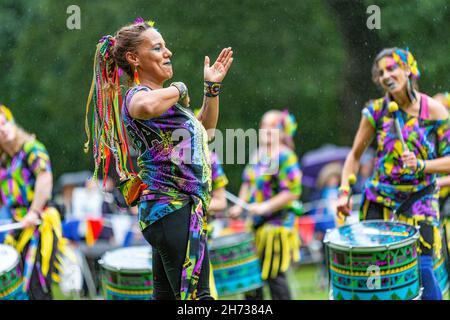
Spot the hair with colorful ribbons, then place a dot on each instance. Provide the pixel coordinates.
(107, 131)
(288, 124)
(7, 113)
(405, 60)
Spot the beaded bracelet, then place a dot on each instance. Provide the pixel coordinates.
(344, 191)
(420, 166)
(212, 89)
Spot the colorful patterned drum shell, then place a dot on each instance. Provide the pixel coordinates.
(236, 266)
(127, 274)
(373, 260)
(11, 281)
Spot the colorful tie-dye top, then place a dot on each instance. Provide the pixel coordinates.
(173, 159)
(264, 182)
(18, 177)
(391, 184)
(445, 191)
(219, 179)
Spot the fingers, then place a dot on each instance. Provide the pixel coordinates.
(206, 61)
(223, 54)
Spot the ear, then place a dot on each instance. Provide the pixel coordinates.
(132, 58)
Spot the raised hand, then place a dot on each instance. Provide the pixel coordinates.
(218, 71)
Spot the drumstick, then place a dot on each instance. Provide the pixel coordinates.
(393, 108)
(351, 183)
(14, 226)
(237, 201)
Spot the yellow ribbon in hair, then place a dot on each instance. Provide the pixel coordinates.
(7, 112)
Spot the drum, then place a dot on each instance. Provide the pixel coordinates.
(236, 266)
(373, 260)
(11, 281)
(126, 274)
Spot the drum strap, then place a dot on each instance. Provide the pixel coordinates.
(406, 205)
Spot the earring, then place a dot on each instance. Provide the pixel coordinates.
(136, 76)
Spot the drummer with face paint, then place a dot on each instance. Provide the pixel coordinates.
(403, 184)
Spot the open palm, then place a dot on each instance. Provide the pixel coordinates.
(218, 71)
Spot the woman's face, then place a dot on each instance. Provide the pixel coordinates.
(7, 130)
(269, 129)
(391, 77)
(154, 56)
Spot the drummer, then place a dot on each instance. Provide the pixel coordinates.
(25, 189)
(271, 194)
(404, 179)
(443, 183)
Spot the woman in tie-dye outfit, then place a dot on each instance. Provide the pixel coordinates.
(173, 186)
(25, 189)
(272, 186)
(403, 184)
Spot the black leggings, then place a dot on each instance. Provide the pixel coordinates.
(279, 289)
(169, 237)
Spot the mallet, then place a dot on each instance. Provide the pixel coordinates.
(393, 108)
(351, 183)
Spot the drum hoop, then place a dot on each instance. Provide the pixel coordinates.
(103, 264)
(250, 237)
(16, 261)
(381, 247)
(124, 270)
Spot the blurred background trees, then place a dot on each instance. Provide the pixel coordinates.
(313, 57)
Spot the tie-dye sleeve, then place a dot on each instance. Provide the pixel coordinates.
(219, 179)
(373, 112)
(289, 175)
(443, 138)
(37, 159)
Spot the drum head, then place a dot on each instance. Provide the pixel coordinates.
(371, 235)
(230, 240)
(9, 258)
(131, 259)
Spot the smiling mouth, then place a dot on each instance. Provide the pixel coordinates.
(391, 84)
(168, 63)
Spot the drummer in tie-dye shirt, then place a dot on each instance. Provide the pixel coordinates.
(444, 184)
(403, 185)
(25, 188)
(272, 186)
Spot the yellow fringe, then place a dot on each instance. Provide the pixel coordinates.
(414, 221)
(212, 284)
(280, 246)
(48, 229)
(276, 256)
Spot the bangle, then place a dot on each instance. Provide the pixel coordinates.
(182, 89)
(211, 89)
(344, 191)
(420, 166)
